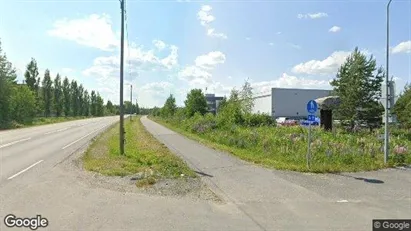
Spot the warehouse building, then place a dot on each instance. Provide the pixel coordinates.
(287, 102)
(213, 102)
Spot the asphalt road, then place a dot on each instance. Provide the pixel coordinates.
(254, 198)
(44, 146)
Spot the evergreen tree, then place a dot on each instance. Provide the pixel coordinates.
(66, 97)
(31, 75)
(58, 96)
(170, 107)
(358, 84)
(74, 98)
(47, 93)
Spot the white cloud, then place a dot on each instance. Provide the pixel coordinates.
(195, 75)
(93, 31)
(279, 32)
(289, 81)
(271, 44)
(327, 66)
(403, 47)
(210, 60)
(312, 15)
(206, 18)
(159, 44)
(334, 29)
(157, 87)
(248, 38)
(199, 73)
(106, 70)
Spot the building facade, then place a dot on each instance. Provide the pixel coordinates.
(287, 102)
(213, 102)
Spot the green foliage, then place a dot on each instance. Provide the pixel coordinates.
(22, 95)
(47, 93)
(195, 102)
(170, 107)
(67, 97)
(402, 107)
(358, 84)
(111, 110)
(25, 104)
(31, 75)
(58, 96)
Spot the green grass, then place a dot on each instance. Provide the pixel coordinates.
(285, 148)
(144, 155)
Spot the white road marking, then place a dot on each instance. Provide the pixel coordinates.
(342, 201)
(83, 137)
(14, 142)
(60, 130)
(24, 170)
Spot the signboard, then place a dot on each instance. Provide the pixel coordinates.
(312, 107)
(311, 118)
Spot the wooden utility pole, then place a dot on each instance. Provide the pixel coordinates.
(121, 80)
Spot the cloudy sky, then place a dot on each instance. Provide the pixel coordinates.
(173, 46)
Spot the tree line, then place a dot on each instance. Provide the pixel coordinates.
(43, 97)
(357, 83)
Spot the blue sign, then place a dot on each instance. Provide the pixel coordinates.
(312, 107)
(311, 118)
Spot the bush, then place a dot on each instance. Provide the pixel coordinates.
(256, 120)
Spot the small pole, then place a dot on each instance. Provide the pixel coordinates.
(121, 80)
(309, 145)
(131, 101)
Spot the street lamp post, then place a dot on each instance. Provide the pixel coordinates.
(121, 80)
(387, 87)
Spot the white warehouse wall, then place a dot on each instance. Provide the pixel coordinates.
(288, 102)
(262, 104)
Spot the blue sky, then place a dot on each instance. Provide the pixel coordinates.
(174, 46)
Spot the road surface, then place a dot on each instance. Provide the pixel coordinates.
(254, 198)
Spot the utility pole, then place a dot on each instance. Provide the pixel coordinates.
(121, 80)
(387, 88)
(131, 101)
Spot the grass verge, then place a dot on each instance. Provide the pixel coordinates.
(285, 148)
(145, 157)
(43, 121)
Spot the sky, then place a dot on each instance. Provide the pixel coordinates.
(174, 46)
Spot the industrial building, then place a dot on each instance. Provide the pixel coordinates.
(287, 102)
(213, 102)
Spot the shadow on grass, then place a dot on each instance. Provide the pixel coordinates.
(366, 180)
(203, 174)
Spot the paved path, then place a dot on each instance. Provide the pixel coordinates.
(278, 200)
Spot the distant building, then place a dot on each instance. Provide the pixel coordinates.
(213, 102)
(287, 102)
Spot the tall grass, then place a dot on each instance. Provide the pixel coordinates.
(286, 147)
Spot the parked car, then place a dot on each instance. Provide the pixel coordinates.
(313, 123)
(285, 121)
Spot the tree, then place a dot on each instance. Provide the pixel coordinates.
(66, 96)
(47, 93)
(110, 108)
(93, 106)
(358, 84)
(128, 107)
(86, 105)
(137, 109)
(7, 81)
(23, 95)
(195, 102)
(58, 96)
(99, 105)
(170, 107)
(402, 107)
(31, 75)
(246, 96)
(80, 100)
(74, 98)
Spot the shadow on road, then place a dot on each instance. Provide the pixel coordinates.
(367, 180)
(203, 174)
